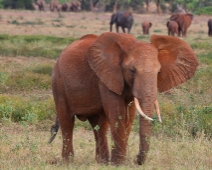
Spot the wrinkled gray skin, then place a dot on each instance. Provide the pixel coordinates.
(123, 20)
(210, 27)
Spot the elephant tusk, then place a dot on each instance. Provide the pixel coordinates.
(140, 110)
(157, 110)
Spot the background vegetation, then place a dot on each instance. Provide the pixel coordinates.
(197, 7)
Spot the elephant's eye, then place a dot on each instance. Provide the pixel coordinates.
(132, 70)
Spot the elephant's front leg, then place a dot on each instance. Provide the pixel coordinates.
(100, 126)
(116, 112)
(117, 28)
(145, 131)
(123, 29)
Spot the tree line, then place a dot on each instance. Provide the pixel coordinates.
(140, 6)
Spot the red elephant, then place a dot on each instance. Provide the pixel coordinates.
(97, 78)
(172, 28)
(184, 21)
(146, 26)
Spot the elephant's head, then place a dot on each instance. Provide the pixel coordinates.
(121, 61)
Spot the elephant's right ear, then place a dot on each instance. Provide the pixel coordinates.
(177, 59)
(190, 15)
(105, 56)
(174, 17)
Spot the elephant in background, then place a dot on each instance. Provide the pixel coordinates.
(123, 20)
(66, 6)
(117, 69)
(146, 25)
(54, 5)
(41, 5)
(172, 28)
(184, 21)
(75, 6)
(59, 7)
(210, 27)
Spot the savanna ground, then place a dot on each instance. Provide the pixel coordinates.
(31, 41)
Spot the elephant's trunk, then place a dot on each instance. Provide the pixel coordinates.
(144, 132)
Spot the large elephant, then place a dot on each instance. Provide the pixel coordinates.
(41, 5)
(210, 27)
(184, 21)
(172, 28)
(96, 78)
(123, 20)
(146, 25)
(54, 5)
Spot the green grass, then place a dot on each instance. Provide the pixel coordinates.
(32, 110)
(29, 45)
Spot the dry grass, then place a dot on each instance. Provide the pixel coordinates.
(26, 147)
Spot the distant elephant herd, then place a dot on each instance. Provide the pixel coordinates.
(74, 6)
(177, 24)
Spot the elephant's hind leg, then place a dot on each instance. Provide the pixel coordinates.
(66, 120)
(100, 126)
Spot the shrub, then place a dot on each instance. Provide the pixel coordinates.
(24, 80)
(204, 11)
(14, 108)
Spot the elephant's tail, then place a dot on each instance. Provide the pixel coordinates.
(54, 129)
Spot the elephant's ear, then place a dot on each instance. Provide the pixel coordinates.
(177, 59)
(190, 15)
(167, 24)
(150, 24)
(174, 17)
(105, 56)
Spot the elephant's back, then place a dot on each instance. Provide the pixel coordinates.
(73, 56)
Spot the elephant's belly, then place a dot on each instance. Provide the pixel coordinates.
(85, 104)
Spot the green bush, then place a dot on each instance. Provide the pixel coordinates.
(25, 80)
(18, 4)
(14, 108)
(190, 119)
(204, 11)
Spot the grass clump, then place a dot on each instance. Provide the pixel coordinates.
(43, 69)
(32, 45)
(16, 109)
(27, 81)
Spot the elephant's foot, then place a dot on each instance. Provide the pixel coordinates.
(104, 161)
(117, 159)
(141, 158)
(68, 158)
(103, 158)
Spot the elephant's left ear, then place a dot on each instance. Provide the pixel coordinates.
(178, 61)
